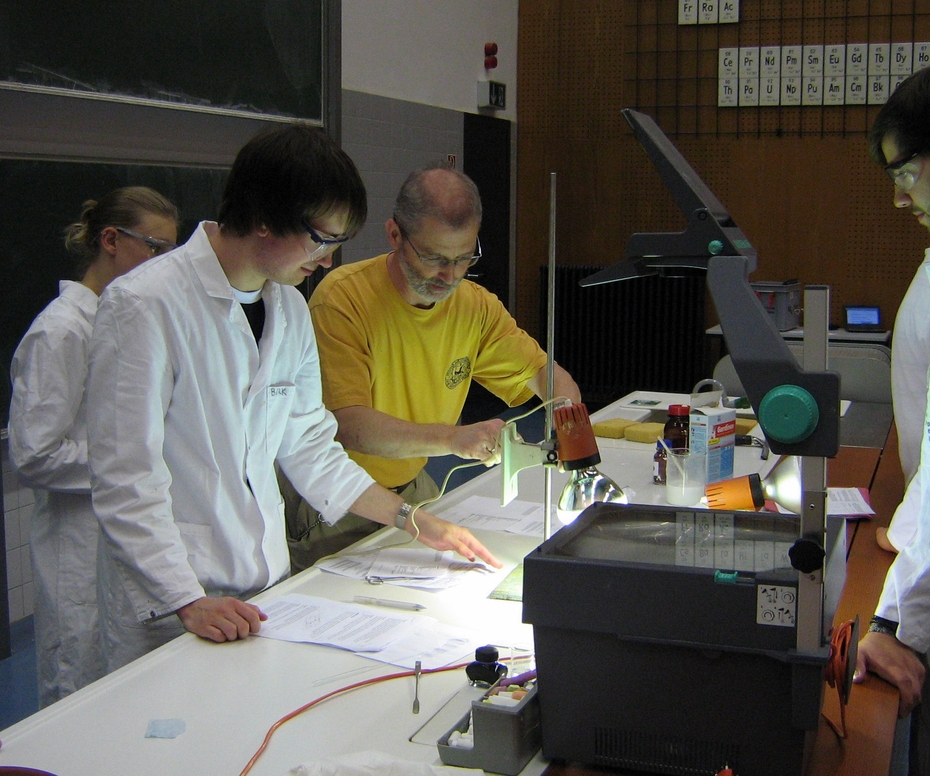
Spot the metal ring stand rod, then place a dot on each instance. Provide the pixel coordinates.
(550, 362)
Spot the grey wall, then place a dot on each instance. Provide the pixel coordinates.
(388, 138)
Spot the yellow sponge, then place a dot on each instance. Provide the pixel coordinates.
(613, 428)
(745, 425)
(644, 432)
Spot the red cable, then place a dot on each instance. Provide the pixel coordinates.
(363, 683)
(836, 671)
(289, 716)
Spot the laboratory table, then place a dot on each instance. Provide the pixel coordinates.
(838, 335)
(865, 424)
(228, 695)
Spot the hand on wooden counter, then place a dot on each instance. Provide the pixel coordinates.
(894, 661)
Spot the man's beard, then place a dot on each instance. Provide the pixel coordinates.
(423, 286)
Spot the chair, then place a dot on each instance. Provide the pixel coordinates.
(865, 371)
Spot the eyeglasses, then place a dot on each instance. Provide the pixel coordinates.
(904, 174)
(155, 245)
(325, 242)
(442, 262)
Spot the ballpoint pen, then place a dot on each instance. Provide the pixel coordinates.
(416, 689)
(364, 599)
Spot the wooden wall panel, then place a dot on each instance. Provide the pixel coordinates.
(798, 181)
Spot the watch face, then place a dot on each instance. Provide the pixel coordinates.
(402, 514)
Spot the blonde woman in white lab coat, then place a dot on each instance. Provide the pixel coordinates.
(48, 439)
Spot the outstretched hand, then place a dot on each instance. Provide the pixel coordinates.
(442, 535)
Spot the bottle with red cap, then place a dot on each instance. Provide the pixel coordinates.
(677, 427)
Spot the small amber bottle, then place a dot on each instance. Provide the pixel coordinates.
(659, 464)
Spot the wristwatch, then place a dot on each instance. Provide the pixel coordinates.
(402, 514)
(881, 625)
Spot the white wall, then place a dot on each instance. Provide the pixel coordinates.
(429, 51)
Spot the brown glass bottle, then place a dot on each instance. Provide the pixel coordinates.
(659, 464)
(677, 427)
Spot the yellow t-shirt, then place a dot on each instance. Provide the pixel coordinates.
(378, 351)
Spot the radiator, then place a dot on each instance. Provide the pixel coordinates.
(641, 334)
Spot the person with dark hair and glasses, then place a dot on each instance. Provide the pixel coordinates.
(401, 337)
(48, 432)
(204, 376)
(899, 634)
(900, 141)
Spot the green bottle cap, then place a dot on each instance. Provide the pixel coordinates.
(788, 413)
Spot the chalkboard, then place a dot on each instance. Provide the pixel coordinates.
(252, 56)
(38, 199)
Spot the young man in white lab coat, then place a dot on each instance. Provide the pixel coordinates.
(203, 373)
(898, 638)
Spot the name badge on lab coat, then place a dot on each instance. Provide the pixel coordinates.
(277, 410)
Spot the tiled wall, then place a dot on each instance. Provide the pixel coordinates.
(387, 139)
(18, 503)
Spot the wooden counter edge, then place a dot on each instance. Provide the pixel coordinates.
(871, 714)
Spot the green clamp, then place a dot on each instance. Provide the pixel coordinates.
(788, 414)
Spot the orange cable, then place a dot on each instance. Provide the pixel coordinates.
(836, 671)
(290, 715)
(374, 680)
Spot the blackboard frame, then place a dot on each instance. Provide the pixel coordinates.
(259, 64)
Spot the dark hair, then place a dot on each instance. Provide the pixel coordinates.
(291, 174)
(123, 207)
(420, 198)
(905, 118)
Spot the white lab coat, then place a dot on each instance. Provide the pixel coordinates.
(186, 417)
(905, 597)
(48, 447)
(910, 360)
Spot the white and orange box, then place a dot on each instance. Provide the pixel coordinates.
(713, 433)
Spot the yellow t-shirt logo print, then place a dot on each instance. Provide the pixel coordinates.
(458, 372)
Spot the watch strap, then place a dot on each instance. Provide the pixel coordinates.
(881, 625)
(402, 515)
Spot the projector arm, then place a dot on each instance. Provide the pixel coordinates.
(789, 401)
(798, 410)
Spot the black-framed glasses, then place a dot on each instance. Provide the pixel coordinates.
(155, 245)
(323, 239)
(904, 174)
(441, 262)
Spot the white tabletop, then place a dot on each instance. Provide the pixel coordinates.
(228, 695)
(833, 335)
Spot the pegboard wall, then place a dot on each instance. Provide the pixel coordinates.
(712, 78)
(796, 179)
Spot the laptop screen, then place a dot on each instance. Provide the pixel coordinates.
(861, 315)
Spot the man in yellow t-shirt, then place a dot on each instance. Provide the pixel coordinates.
(401, 336)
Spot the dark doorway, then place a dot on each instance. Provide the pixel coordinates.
(487, 163)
